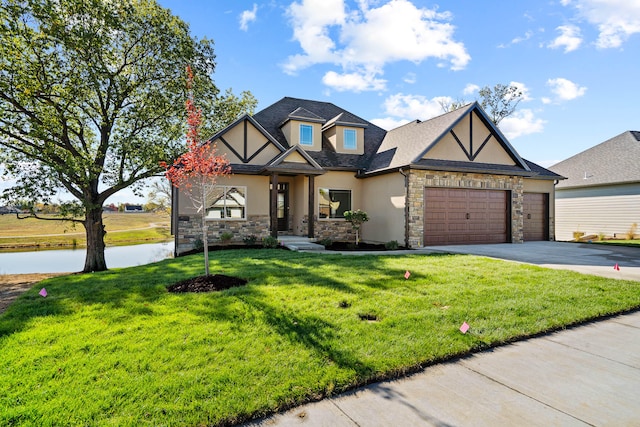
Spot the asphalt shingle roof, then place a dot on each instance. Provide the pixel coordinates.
(386, 151)
(614, 161)
(271, 118)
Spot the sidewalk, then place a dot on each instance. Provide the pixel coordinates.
(588, 375)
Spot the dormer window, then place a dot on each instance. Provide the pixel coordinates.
(306, 135)
(350, 139)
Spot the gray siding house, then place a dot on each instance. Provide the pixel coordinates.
(602, 191)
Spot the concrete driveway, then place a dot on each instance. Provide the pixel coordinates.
(587, 258)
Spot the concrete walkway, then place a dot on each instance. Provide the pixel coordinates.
(588, 375)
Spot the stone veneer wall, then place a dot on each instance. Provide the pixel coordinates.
(419, 179)
(337, 230)
(190, 230)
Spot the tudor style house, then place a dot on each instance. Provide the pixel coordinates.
(298, 165)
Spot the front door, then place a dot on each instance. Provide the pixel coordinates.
(283, 207)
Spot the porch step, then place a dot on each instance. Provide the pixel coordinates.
(302, 246)
(296, 243)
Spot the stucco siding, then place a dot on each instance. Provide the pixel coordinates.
(593, 215)
(471, 134)
(383, 198)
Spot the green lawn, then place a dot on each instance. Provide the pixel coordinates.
(115, 348)
(632, 243)
(122, 229)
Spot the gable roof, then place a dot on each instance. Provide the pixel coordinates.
(280, 164)
(384, 151)
(407, 145)
(255, 123)
(306, 115)
(614, 161)
(271, 119)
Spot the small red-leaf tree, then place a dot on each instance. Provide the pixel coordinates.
(196, 171)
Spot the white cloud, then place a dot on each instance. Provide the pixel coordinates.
(410, 78)
(616, 20)
(526, 36)
(248, 16)
(565, 90)
(569, 38)
(470, 88)
(521, 123)
(364, 40)
(401, 109)
(354, 82)
(413, 107)
(389, 123)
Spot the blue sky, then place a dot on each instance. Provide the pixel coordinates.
(391, 61)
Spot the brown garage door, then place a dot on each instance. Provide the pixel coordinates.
(461, 216)
(536, 214)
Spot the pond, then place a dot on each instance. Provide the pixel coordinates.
(72, 260)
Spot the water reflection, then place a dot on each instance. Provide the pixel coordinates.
(72, 260)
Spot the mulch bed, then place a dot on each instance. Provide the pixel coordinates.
(210, 283)
(362, 246)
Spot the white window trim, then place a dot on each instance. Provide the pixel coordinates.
(344, 139)
(333, 189)
(300, 134)
(246, 198)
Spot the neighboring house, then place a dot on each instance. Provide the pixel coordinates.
(133, 208)
(602, 192)
(452, 179)
(5, 210)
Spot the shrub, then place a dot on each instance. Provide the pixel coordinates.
(356, 218)
(250, 239)
(270, 242)
(326, 242)
(391, 245)
(226, 237)
(632, 231)
(198, 244)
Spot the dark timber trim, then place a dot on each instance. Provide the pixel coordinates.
(460, 144)
(273, 211)
(312, 193)
(232, 149)
(266, 144)
(482, 146)
(244, 160)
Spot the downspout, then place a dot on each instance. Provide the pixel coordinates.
(555, 182)
(406, 207)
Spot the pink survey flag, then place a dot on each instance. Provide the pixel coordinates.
(407, 274)
(43, 292)
(464, 328)
(616, 267)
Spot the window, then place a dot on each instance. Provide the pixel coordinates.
(333, 203)
(306, 135)
(350, 139)
(228, 202)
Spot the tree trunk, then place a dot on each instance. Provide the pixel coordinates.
(94, 228)
(205, 242)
